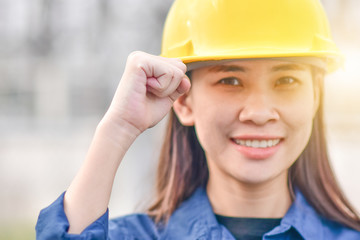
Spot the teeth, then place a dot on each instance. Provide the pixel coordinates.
(257, 143)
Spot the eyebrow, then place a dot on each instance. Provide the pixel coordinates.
(285, 67)
(227, 68)
(236, 68)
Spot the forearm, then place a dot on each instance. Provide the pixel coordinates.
(146, 92)
(88, 195)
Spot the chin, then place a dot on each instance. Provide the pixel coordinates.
(252, 180)
(256, 177)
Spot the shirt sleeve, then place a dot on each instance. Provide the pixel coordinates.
(53, 224)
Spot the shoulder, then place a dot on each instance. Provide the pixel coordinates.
(133, 226)
(193, 219)
(312, 225)
(335, 230)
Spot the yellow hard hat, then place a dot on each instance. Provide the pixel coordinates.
(207, 30)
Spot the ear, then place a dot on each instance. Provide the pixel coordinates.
(183, 109)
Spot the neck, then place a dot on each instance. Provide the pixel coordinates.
(270, 199)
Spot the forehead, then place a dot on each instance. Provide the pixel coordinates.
(319, 63)
(255, 65)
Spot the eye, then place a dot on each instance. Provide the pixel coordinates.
(286, 81)
(230, 81)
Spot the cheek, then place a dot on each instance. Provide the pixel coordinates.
(212, 119)
(209, 107)
(300, 111)
(298, 119)
(209, 126)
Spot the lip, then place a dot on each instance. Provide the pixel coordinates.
(257, 137)
(254, 152)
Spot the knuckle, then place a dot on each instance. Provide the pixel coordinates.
(169, 74)
(173, 97)
(178, 74)
(161, 87)
(183, 67)
(136, 56)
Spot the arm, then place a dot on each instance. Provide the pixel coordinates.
(147, 90)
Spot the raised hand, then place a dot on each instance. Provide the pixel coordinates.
(148, 88)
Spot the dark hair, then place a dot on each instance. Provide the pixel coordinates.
(183, 168)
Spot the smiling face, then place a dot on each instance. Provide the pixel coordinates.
(252, 118)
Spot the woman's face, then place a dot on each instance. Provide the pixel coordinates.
(253, 118)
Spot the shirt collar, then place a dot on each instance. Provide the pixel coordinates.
(302, 217)
(195, 217)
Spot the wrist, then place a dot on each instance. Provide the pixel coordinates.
(118, 131)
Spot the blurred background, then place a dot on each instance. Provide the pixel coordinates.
(60, 62)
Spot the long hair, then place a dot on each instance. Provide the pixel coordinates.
(182, 168)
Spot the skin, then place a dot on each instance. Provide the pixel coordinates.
(148, 89)
(257, 99)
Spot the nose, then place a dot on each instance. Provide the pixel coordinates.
(258, 109)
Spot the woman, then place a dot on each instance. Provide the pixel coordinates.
(244, 156)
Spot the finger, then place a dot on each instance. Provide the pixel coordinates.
(162, 75)
(160, 78)
(138, 56)
(167, 83)
(174, 82)
(184, 85)
(154, 66)
(176, 62)
(183, 88)
(166, 75)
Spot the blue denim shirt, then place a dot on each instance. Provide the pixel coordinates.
(194, 219)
